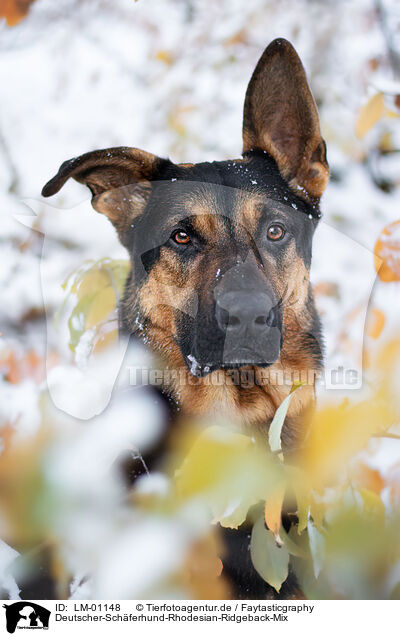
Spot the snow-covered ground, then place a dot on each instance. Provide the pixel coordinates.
(169, 76)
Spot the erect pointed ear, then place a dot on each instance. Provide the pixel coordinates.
(119, 179)
(280, 116)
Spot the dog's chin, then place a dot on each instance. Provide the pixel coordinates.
(237, 360)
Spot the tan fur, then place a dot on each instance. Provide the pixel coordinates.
(123, 205)
(248, 213)
(215, 394)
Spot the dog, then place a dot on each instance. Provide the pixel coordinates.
(220, 260)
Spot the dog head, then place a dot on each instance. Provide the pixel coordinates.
(220, 251)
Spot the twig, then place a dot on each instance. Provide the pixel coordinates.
(394, 55)
(14, 179)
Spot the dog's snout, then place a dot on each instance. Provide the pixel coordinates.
(241, 312)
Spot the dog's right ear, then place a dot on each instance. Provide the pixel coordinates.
(119, 179)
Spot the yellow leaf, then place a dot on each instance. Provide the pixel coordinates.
(106, 338)
(165, 56)
(385, 142)
(102, 306)
(391, 114)
(93, 281)
(229, 472)
(370, 114)
(338, 434)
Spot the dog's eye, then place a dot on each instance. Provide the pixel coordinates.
(275, 232)
(181, 237)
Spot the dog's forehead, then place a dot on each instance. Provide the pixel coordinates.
(231, 188)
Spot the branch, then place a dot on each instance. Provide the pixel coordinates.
(394, 55)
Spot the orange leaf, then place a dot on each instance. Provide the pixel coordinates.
(18, 367)
(14, 10)
(375, 323)
(387, 248)
(11, 368)
(326, 288)
(273, 510)
(240, 37)
(366, 478)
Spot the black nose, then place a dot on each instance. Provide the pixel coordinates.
(240, 313)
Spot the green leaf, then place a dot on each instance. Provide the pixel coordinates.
(395, 594)
(317, 547)
(292, 544)
(270, 561)
(275, 429)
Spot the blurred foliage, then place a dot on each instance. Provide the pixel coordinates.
(387, 248)
(95, 290)
(371, 113)
(343, 541)
(14, 10)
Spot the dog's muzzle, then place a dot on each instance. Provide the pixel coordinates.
(251, 324)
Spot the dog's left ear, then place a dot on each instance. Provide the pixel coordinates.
(280, 117)
(119, 179)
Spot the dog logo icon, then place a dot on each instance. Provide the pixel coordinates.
(26, 615)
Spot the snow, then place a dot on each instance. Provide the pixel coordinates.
(7, 556)
(168, 77)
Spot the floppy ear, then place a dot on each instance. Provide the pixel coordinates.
(280, 116)
(119, 179)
